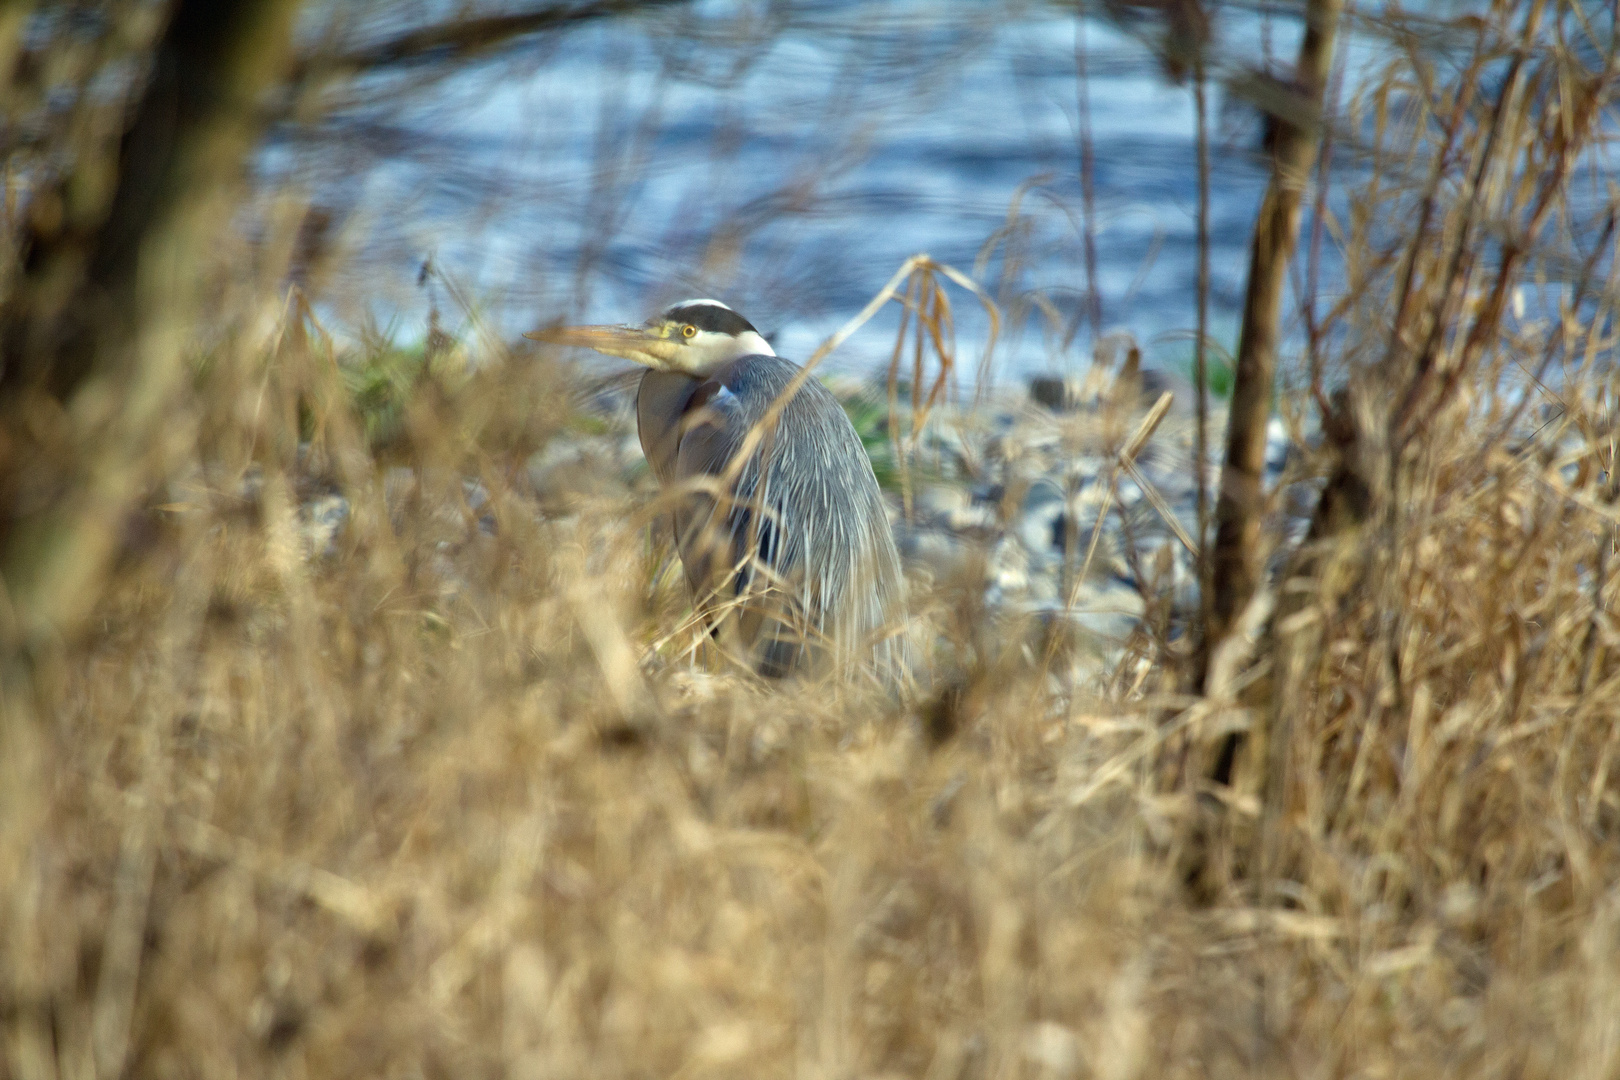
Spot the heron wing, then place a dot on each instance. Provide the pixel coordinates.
(793, 555)
(706, 440)
(661, 408)
(731, 545)
(687, 443)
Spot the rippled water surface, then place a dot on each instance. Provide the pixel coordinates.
(789, 171)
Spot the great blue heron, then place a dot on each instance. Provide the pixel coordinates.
(788, 552)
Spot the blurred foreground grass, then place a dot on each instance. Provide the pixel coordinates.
(414, 806)
(430, 788)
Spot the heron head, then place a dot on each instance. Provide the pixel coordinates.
(693, 336)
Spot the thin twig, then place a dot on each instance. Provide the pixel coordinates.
(1088, 174)
(1201, 345)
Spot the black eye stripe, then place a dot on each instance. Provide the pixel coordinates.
(718, 320)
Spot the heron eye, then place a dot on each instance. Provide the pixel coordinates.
(689, 331)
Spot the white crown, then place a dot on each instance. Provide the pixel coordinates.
(703, 300)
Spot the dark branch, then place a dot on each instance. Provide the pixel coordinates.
(462, 38)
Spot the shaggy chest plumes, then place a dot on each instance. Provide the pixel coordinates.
(792, 544)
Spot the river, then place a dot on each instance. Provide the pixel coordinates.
(788, 168)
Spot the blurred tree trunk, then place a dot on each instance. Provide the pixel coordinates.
(96, 330)
(1241, 499)
(13, 18)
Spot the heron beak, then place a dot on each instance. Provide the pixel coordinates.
(649, 345)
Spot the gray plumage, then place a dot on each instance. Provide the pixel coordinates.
(798, 563)
(789, 555)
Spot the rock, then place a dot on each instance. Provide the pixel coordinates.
(323, 520)
(1055, 392)
(938, 551)
(571, 470)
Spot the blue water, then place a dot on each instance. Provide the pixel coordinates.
(789, 172)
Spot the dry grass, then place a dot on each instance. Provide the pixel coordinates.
(417, 806)
(412, 808)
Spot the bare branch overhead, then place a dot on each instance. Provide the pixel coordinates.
(464, 37)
